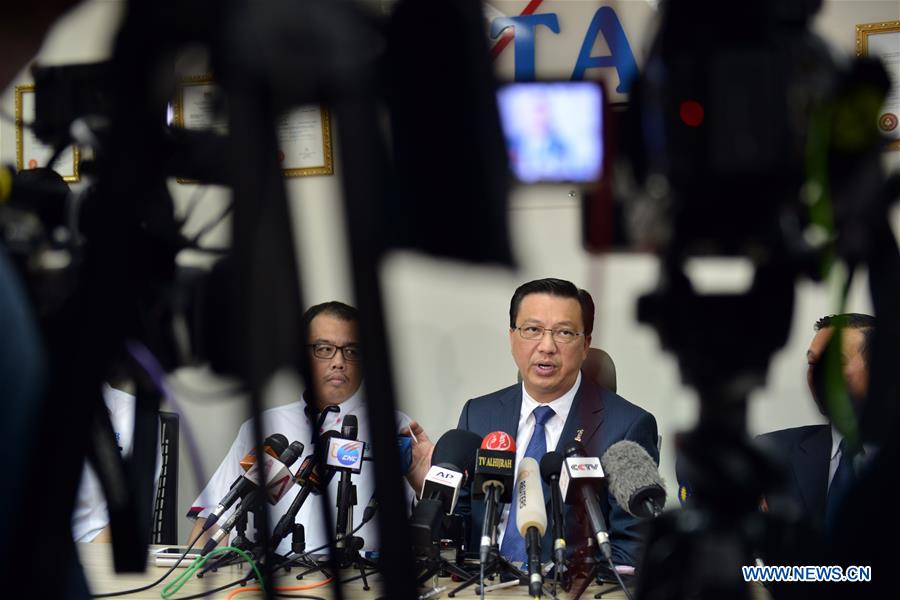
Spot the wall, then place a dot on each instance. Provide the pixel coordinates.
(448, 321)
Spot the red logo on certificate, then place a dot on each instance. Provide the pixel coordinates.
(887, 122)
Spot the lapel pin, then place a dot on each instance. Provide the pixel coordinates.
(578, 434)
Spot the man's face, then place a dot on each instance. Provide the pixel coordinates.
(852, 362)
(335, 378)
(549, 368)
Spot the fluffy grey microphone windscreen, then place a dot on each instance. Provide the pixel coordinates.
(633, 478)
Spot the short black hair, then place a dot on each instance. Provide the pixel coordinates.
(554, 287)
(863, 322)
(333, 308)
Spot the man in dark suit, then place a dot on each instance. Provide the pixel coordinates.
(550, 328)
(813, 453)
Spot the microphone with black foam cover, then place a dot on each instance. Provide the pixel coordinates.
(312, 477)
(494, 474)
(634, 479)
(551, 466)
(453, 461)
(581, 479)
(273, 446)
(531, 519)
(277, 478)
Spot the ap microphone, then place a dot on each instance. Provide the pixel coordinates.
(580, 481)
(531, 519)
(453, 460)
(273, 446)
(634, 479)
(494, 482)
(277, 479)
(551, 465)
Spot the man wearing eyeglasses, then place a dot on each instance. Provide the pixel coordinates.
(337, 377)
(550, 326)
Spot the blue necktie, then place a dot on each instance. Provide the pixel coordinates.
(843, 481)
(513, 547)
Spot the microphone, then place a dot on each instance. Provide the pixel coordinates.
(634, 479)
(579, 482)
(551, 465)
(345, 454)
(453, 460)
(273, 450)
(493, 482)
(350, 427)
(273, 446)
(531, 519)
(277, 479)
(312, 477)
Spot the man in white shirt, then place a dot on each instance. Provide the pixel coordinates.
(337, 375)
(90, 519)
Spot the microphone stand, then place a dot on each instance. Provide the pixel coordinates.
(348, 546)
(495, 563)
(240, 541)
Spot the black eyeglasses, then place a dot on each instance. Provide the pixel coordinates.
(562, 336)
(327, 351)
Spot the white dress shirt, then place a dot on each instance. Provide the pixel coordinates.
(552, 430)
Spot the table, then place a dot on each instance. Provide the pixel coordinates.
(97, 562)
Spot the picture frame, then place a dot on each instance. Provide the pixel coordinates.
(883, 40)
(30, 151)
(304, 133)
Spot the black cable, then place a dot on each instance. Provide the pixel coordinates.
(208, 250)
(211, 225)
(306, 555)
(193, 202)
(155, 583)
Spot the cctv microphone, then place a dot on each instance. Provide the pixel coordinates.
(634, 479)
(453, 460)
(579, 483)
(551, 465)
(277, 479)
(274, 445)
(531, 519)
(312, 477)
(494, 475)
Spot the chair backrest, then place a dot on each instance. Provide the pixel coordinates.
(599, 367)
(165, 510)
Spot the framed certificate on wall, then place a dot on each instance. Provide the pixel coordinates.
(882, 40)
(30, 151)
(304, 132)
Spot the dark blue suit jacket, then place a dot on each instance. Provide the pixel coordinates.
(806, 452)
(602, 418)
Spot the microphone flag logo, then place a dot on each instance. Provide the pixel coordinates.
(348, 454)
(498, 440)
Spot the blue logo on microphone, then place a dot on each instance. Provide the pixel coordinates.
(348, 455)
